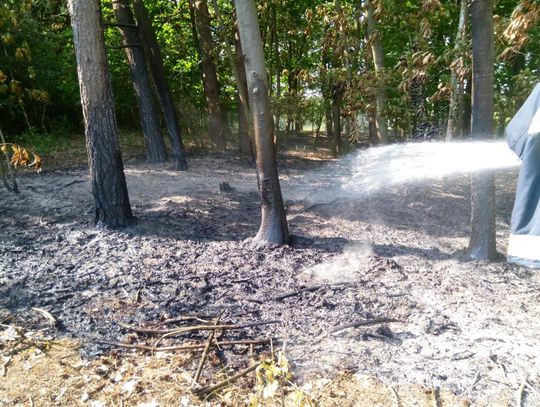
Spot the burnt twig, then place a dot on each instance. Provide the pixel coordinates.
(520, 392)
(205, 354)
(184, 347)
(200, 318)
(210, 389)
(307, 289)
(73, 183)
(174, 331)
(364, 322)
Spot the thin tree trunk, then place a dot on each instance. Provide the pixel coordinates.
(155, 62)
(336, 120)
(467, 106)
(155, 147)
(372, 128)
(329, 124)
(237, 64)
(273, 227)
(109, 187)
(277, 62)
(217, 125)
(455, 113)
(245, 128)
(482, 241)
(378, 63)
(344, 140)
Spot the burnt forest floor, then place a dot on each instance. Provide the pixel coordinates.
(372, 303)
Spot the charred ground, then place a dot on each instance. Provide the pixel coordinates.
(471, 329)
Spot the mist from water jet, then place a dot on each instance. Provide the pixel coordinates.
(377, 168)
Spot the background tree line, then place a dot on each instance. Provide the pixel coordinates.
(346, 72)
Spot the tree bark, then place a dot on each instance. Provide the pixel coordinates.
(109, 187)
(378, 63)
(236, 60)
(277, 62)
(155, 62)
(455, 114)
(273, 227)
(217, 125)
(245, 129)
(337, 94)
(155, 147)
(482, 241)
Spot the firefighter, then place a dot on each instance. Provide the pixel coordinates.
(523, 137)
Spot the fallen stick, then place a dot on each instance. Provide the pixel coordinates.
(530, 386)
(306, 290)
(364, 322)
(202, 318)
(170, 332)
(48, 316)
(205, 354)
(184, 347)
(230, 380)
(521, 390)
(436, 393)
(73, 183)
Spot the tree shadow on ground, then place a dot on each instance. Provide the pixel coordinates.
(393, 250)
(439, 210)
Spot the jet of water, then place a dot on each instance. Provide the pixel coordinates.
(376, 168)
(380, 167)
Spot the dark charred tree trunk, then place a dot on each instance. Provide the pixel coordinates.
(329, 124)
(482, 242)
(104, 159)
(372, 128)
(336, 131)
(273, 227)
(155, 62)
(217, 125)
(155, 147)
(337, 98)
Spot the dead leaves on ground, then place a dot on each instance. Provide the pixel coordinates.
(21, 157)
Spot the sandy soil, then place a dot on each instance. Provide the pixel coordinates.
(470, 330)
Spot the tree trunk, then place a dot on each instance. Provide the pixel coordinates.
(378, 63)
(329, 124)
(277, 61)
(109, 187)
(155, 147)
(455, 113)
(273, 227)
(237, 64)
(244, 125)
(217, 125)
(467, 106)
(336, 119)
(155, 62)
(372, 128)
(482, 241)
(344, 139)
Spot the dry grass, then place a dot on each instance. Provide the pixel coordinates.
(41, 372)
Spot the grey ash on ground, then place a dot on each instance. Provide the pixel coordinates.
(470, 327)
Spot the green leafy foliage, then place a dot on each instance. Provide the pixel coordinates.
(311, 49)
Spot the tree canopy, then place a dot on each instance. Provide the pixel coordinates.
(318, 53)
